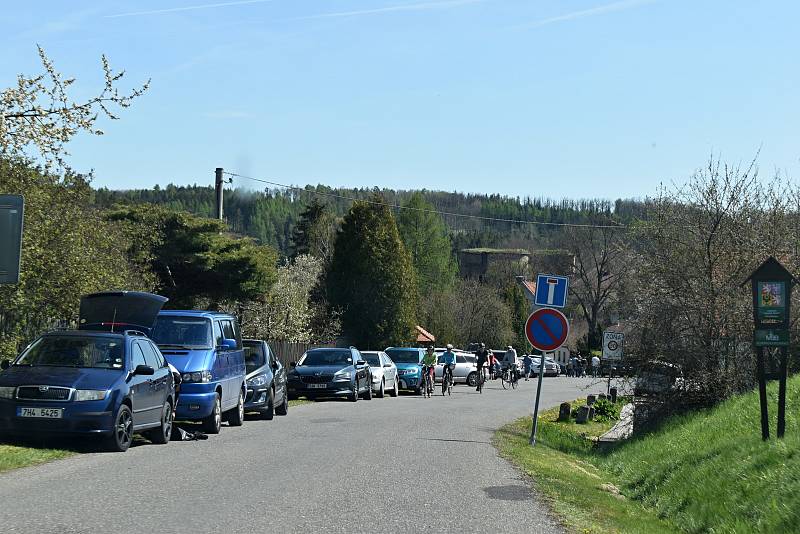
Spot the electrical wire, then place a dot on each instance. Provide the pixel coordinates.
(426, 210)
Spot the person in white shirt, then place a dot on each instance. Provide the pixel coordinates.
(510, 360)
(595, 366)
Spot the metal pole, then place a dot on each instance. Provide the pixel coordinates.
(782, 393)
(535, 428)
(762, 392)
(218, 186)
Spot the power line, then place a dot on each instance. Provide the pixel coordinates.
(426, 210)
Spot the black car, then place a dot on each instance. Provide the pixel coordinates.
(106, 379)
(266, 380)
(331, 373)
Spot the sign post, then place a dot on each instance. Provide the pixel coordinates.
(613, 349)
(772, 298)
(546, 329)
(11, 217)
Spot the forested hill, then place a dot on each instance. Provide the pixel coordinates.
(270, 215)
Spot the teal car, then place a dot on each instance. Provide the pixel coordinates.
(409, 366)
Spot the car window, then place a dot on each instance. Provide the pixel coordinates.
(218, 337)
(460, 359)
(254, 356)
(159, 357)
(237, 333)
(137, 356)
(441, 358)
(149, 354)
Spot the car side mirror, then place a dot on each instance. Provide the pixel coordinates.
(144, 370)
(5, 364)
(361, 362)
(228, 344)
(387, 364)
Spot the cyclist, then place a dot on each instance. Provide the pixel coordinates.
(449, 361)
(510, 362)
(482, 362)
(428, 368)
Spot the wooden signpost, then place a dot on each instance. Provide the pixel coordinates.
(772, 298)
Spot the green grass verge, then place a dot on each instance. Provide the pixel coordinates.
(583, 497)
(14, 456)
(708, 471)
(298, 402)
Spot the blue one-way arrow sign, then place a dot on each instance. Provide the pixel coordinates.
(551, 291)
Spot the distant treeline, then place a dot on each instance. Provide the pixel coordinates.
(270, 215)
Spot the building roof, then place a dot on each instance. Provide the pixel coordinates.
(423, 336)
(495, 251)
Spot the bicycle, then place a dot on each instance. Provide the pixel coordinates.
(447, 380)
(509, 378)
(481, 379)
(427, 382)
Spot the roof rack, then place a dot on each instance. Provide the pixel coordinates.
(135, 333)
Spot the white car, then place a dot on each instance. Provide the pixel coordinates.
(466, 371)
(384, 373)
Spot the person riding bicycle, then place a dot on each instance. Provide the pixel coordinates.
(510, 361)
(449, 361)
(482, 361)
(429, 365)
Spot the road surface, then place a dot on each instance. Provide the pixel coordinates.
(394, 464)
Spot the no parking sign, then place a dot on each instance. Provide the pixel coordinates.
(547, 329)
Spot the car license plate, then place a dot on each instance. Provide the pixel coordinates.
(317, 386)
(43, 413)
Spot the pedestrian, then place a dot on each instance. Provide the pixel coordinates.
(574, 361)
(527, 361)
(595, 366)
(569, 367)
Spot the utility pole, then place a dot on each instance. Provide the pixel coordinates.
(218, 186)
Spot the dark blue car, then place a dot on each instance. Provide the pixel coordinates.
(266, 380)
(331, 373)
(106, 379)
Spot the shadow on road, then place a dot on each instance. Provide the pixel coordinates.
(456, 440)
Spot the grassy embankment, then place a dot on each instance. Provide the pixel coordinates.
(704, 472)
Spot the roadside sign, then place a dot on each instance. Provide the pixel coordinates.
(11, 215)
(613, 345)
(547, 329)
(772, 338)
(551, 291)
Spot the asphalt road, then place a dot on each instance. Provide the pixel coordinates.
(393, 464)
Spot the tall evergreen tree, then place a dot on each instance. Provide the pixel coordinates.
(314, 233)
(425, 237)
(371, 279)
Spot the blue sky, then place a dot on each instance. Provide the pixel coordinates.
(572, 98)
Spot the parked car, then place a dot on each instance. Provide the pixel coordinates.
(466, 371)
(266, 380)
(106, 379)
(384, 373)
(330, 373)
(206, 348)
(551, 368)
(409, 366)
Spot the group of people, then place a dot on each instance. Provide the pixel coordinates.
(578, 366)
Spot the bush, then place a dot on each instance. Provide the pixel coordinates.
(605, 410)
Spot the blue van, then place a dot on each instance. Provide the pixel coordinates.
(409, 366)
(206, 348)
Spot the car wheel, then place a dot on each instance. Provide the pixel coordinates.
(472, 379)
(382, 391)
(122, 434)
(236, 416)
(269, 411)
(283, 409)
(213, 423)
(354, 394)
(162, 434)
(368, 394)
(396, 390)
